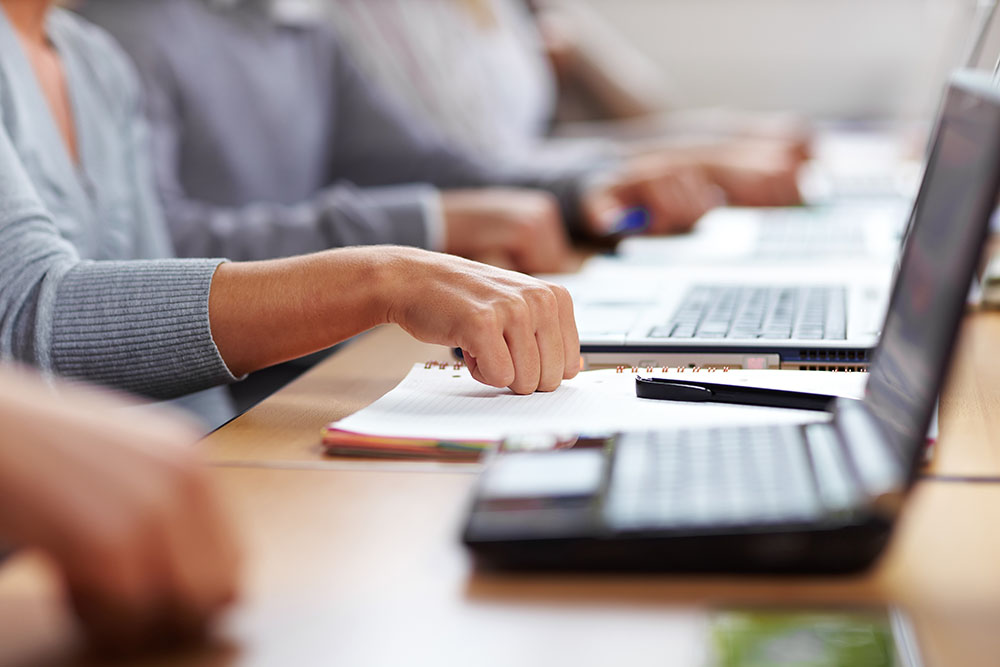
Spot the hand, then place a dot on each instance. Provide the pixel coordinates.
(124, 511)
(518, 229)
(756, 173)
(675, 195)
(515, 331)
(794, 133)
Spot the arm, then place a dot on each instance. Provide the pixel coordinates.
(375, 142)
(516, 331)
(118, 501)
(152, 325)
(139, 325)
(340, 215)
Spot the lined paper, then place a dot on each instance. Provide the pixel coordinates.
(445, 403)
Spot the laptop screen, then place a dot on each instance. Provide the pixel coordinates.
(950, 219)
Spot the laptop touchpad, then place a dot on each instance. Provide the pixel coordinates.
(559, 474)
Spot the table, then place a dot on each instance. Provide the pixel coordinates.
(353, 563)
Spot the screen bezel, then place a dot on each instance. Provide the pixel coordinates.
(962, 84)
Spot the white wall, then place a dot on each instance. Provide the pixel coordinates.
(829, 58)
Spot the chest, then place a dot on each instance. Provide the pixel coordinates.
(88, 185)
(52, 83)
(258, 109)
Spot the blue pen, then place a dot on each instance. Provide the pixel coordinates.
(631, 221)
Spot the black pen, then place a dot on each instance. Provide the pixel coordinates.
(706, 392)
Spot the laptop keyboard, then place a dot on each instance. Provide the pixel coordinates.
(809, 313)
(713, 477)
(783, 236)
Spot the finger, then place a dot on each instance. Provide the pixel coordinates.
(117, 599)
(660, 201)
(669, 200)
(206, 547)
(570, 335)
(520, 337)
(494, 366)
(549, 340)
(473, 366)
(111, 628)
(790, 189)
(693, 200)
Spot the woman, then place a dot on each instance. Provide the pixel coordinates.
(487, 74)
(89, 287)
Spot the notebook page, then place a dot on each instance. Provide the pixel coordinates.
(448, 404)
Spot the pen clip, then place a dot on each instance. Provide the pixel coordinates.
(672, 390)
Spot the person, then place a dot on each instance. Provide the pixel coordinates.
(89, 286)
(116, 498)
(490, 75)
(268, 141)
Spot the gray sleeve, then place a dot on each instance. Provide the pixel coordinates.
(140, 326)
(376, 143)
(340, 215)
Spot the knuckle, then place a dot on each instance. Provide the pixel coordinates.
(518, 313)
(544, 298)
(484, 320)
(561, 294)
(482, 324)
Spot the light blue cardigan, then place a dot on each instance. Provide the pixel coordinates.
(88, 284)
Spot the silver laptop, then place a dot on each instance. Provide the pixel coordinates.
(858, 232)
(802, 315)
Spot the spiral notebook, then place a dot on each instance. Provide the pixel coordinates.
(440, 412)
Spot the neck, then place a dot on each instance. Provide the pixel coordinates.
(28, 18)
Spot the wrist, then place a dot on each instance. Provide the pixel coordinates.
(387, 274)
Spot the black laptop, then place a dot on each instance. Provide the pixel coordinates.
(821, 497)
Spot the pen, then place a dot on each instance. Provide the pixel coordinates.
(631, 221)
(707, 392)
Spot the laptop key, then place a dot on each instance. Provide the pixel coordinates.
(809, 313)
(694, 479)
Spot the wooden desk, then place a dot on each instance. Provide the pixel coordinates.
(284, 430)
(354, 564)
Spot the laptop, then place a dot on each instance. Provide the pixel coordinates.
(810, 315)
(861, 232)
(819, 497)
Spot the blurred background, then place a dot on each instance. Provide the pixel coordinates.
(860, 59)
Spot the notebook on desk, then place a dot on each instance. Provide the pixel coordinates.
(820, 497)
(440, 412)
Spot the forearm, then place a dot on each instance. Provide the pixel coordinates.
(339, 216)
(263, 313)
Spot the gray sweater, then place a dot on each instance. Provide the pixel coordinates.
(88, 285)
(267, 140)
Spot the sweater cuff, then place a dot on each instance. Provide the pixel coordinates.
(412, 213)
(138, 326)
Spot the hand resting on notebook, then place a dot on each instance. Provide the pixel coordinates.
(516, 331)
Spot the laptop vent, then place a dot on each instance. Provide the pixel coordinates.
(857, 356)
